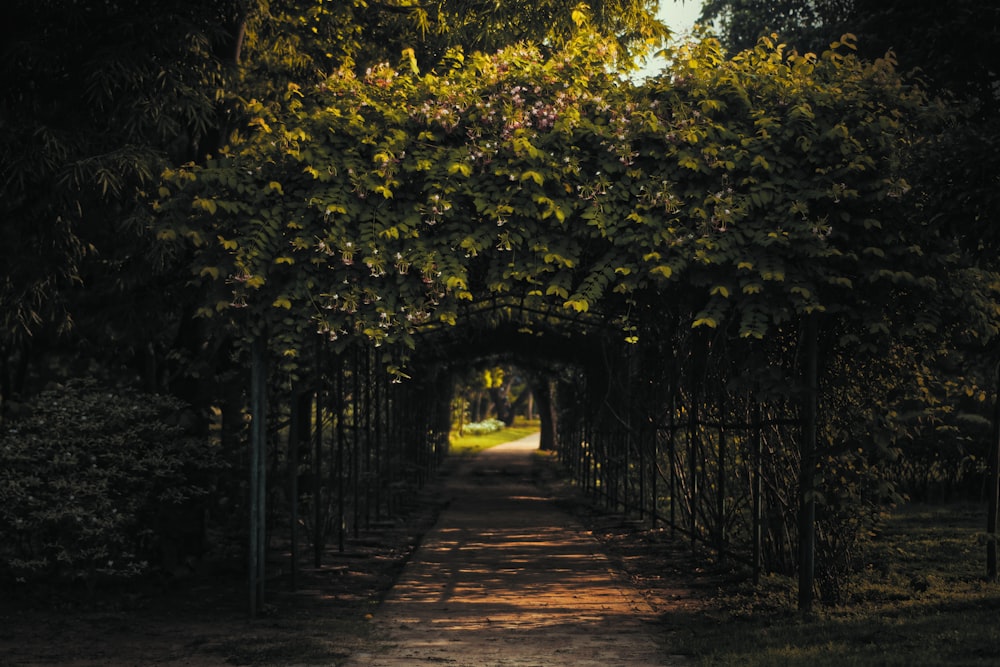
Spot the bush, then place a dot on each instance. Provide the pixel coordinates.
(483, 427)
(94, 481)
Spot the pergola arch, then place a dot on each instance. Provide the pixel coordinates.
(695, 230)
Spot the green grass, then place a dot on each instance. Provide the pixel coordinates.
(472, 444)
(921, 601)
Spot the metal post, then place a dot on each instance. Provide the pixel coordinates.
(720, 498)
(356, 460)
(338, 391)
(653, 471)
(641, 468)
(293, 486)
(319, 537)
(994, 489)
(369, 478)
(258, 481)
(672, 457)
(693, 450)
(807, 470)
(757, 491)
(380, 412)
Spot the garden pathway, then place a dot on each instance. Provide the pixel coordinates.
(506, 578)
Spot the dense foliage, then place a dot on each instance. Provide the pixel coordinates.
(99, 482)
(773, 184)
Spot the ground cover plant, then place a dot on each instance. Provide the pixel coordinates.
(482, 428)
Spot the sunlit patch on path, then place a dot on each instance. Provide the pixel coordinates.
(507, 578)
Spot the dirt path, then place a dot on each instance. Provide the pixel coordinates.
(508, 579)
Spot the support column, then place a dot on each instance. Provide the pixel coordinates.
(994, 488)
(807, 470)
(258, 468)
(757, 488)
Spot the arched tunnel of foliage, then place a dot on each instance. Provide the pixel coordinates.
(671, 258)
(686, 249)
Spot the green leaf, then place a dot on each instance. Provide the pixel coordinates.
(412, 60)
(533, 175)
(877, 252)
(205, 205)
(664, 270)
(557, 290)
(460, 168)
(720, 290)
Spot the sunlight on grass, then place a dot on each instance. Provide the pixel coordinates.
(467, 445)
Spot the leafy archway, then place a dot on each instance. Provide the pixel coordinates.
(745, 214)
(755, 190)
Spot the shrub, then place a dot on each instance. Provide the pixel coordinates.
(93, 482)
(483, 427)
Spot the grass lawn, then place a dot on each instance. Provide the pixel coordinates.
(921, 601)
(467, 445)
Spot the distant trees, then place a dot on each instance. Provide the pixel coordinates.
(498, 391)
(949, 45)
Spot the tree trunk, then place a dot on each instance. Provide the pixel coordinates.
(501, 403)
(544, 392)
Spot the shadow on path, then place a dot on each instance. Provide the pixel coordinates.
(507, 578)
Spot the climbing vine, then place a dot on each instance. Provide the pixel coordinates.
(752, 190)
